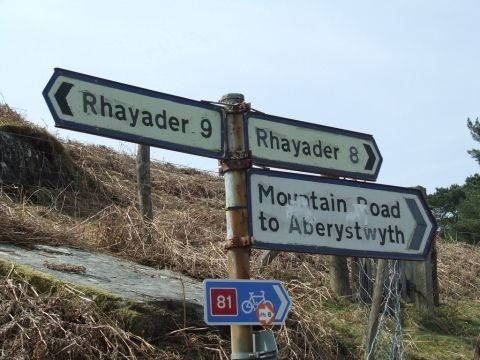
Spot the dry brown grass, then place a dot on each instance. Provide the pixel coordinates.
(458, 271)
(34, 326)
(187, 235)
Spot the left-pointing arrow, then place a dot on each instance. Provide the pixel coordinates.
(61, 97)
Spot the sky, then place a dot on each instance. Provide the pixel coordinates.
(406, 72)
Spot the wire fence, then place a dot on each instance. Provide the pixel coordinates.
(31, 166)
(388, 336)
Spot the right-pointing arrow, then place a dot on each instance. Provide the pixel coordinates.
(421, 226)
(371, 157)
(285, 302)
(61, 97)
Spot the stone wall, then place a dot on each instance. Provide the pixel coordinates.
(30, 161)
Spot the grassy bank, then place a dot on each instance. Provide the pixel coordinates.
(97, 210)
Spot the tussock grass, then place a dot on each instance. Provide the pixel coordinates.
(187, 235)
(35, 325)
(458, 270)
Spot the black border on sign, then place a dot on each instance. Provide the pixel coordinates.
(257, 243)
(308, 168)
(114, 134)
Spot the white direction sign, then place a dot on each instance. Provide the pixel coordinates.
(293, 212)
(101, 107)
(302, 146)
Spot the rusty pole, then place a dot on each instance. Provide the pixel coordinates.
(234, 170)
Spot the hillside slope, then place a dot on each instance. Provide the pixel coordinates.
(85, 196)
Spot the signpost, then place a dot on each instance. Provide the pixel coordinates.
(293, 212)
(111, 109)
(245, 302)
(302, 146)
(285, 211)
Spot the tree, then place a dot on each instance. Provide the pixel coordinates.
(474, 127)
(457, 208)
(445, 202)
(468, 222)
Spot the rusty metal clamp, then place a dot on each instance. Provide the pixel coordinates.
(237, 160)
(241, 107)
(238, 242)
(234, 164)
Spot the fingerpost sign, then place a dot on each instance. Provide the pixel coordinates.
(298, 145)
(294, 212)
(107, 108)
(284, 211)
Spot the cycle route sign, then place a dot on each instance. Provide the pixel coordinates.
(245, 302)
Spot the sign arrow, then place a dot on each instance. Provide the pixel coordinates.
(293, 212)
(284, 301)
(371, 157)
(420, 227)
(107, 108)
(61, 97)
(238, 301)
(297, 145)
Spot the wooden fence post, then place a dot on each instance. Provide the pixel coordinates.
(373, 318)
(365, 285)
(476, 355)
(144, 185)
(267, 257)
(339, 275)
(419, 278)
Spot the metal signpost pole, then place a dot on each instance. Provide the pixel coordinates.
(238, 240)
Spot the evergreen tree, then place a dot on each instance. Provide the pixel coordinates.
(457, 208)
(444, 203)
(468, 224)
(474, 127)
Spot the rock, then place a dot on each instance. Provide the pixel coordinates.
(122, 278)
(31, 161)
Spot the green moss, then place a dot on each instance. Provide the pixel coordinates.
(48, 284)
(448, 333)
(343, 317)
(147, 320)
(151, 320)
(42, 282)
